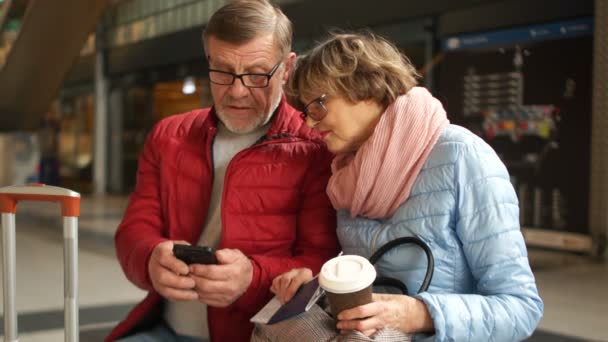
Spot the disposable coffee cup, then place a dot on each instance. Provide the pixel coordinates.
(347, 281)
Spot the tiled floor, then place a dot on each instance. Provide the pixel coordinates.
(575, 291)
(574, 288)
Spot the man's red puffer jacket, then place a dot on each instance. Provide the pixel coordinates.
(274, 209)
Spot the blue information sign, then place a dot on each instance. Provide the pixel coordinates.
(559, 30)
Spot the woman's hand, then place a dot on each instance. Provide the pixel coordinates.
(286, 284)
(399, 312)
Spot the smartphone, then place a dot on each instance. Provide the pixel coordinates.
(195, 254)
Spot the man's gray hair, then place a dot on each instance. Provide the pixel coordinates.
(240, 21)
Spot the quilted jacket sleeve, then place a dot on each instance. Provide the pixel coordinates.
(141, 227)
(506, 306)
(316, 240)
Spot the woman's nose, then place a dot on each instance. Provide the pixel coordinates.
(310, 122)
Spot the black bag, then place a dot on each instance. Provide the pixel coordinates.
(396, 283)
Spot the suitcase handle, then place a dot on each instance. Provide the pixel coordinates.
(70, 209)
(11, 195)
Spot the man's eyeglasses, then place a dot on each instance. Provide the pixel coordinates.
(250, 80)
(315, 109)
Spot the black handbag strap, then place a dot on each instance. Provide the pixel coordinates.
(387, 281)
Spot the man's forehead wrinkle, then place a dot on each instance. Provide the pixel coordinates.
(242, 63)
(260, 51)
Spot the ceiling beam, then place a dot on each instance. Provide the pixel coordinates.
(51, 37)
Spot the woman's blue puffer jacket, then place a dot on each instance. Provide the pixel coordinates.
(464, 207)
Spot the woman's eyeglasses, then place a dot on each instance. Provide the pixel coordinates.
(315, 109)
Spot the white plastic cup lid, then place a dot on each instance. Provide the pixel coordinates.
(346, 274)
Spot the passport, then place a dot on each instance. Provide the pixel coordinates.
(306, 296)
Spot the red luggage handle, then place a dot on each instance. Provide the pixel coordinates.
(11, 195)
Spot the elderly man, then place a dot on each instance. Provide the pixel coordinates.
(245, 176)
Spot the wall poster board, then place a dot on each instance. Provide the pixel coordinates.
(527, 92)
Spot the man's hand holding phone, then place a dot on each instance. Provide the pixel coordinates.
(218, 277)
(170, 277)
(220, 285)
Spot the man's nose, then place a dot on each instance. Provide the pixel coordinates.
(238, 89)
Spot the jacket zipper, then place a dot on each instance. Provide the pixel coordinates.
(212, 167)
(211, 162)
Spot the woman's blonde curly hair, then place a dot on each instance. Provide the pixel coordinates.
(355, 66)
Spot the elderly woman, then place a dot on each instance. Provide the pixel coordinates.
(401, 169)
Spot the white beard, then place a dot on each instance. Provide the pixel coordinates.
(259, 122)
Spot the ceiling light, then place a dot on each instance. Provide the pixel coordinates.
(189, 86)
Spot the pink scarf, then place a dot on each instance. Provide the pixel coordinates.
(375, 180)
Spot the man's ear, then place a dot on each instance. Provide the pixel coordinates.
(289, 65)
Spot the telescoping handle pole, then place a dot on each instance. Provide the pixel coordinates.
(70, 210)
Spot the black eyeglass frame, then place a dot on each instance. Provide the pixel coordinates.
(240, 76)
(321, 102)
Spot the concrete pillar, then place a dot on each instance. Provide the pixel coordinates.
(100, 170)
(116, 109)
(598, 212)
